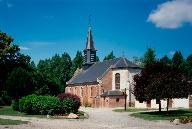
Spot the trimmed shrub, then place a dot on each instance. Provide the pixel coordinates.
(40, 105)
(70, 102)
(68, 106)
(15, 105)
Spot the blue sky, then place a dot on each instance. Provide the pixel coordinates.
(45, 27)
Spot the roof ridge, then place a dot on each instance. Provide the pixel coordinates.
(125, 61)
(111, 59)
(118, 61)
(104, 73)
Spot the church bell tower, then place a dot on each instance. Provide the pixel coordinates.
(89, 51)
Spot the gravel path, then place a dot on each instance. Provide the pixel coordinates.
(98, 119)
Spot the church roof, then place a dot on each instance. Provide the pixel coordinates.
(98, 69)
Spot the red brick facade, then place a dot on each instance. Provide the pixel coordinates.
(190, 101)
(90, 93)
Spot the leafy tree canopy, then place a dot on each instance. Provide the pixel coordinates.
(149, 57)
(110, 56)
(159, 81)
(77, 62)
(177, 59)
(19, 83)
(165, 60)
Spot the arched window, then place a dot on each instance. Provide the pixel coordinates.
(117, 81)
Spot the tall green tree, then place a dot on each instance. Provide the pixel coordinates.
(77, 62)
(177, 60)
(109, 56)
(149, 57)
(188, 66)
(20, 83)
(10, 58)
(165, 60)
(57, 70)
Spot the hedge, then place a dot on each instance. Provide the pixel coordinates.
(40, 105)
(43, 105)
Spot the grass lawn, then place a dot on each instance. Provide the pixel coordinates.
(130, 110)
(7, 110)
(11, 122)
(174, 114)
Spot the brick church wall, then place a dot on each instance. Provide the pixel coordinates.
(87, 93)
(106, 81)
(113, 101)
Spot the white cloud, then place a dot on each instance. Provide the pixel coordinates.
(172, 53)
(172, 14)
(24, 48)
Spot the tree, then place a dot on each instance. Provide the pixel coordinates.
(109, 56)
(19, 83)
(177, 60)
(165, 60)
(10, 58)
(149, 57)
(97, 59)
(57, 70)
(159, 81)
(188, 66)
(77, 62)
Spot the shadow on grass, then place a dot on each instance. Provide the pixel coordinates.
(164, 115)
(172, 112)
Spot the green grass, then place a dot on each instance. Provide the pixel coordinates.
(174, 114)
(11, 122)
(7, 110)
(130, 110)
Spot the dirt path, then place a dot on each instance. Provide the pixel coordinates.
(98, 119)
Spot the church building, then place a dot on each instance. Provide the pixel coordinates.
(103, 84)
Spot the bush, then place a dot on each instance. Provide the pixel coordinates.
(186, 119)
(15, 105)
(40, 105)
(70, 102)
(5, 99)
(68, 106)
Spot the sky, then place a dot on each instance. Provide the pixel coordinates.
(43, 28)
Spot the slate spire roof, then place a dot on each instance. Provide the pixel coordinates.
(98, 69)
(90, 43)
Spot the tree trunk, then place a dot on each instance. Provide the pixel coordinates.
(159, 105)
(167, 104)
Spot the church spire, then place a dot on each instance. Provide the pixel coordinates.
(90, 51)
(90, 43)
